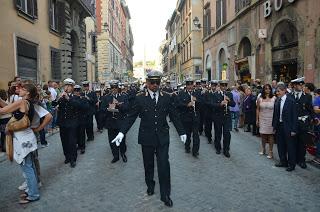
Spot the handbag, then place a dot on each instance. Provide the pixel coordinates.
(17, 125)
(9, 146)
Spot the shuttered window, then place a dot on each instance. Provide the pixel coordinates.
(57, 16)
(28, 8)
(56, 64)
(27, 60)
(207, 21)
(241, 4)
(221, 12)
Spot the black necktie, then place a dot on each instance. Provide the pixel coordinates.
(297, 96)
(154, 98)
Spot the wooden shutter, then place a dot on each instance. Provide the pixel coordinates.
(205, 23)
(56, 64)
(61, 17)
(209, 21)
(18, 4)
(50, 14)
(218, 13)
(35, 9)
(224, 11)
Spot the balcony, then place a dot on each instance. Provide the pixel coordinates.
(89, 6)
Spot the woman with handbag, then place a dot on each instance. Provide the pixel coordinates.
(24, 140)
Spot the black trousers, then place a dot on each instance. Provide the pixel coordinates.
(89, 127)
(68, 136)
(163, 166)
(112, 133)
(208, 127)
(222, 126)
(286, 147)
(301, 146)
(99, 119)
(191, 128)
(202, 118)
(81, 138)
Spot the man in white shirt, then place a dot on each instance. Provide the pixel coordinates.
(52, 90)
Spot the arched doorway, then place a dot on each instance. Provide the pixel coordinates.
(208, 67)
(245, 65)
(223, 65)
(284, 43)
(75, 56)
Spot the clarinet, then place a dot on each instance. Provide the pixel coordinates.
(226, 105)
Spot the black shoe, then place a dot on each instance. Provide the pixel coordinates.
(303, 165)
(114, 160)
(82, 151)
(200, 132)
(66, 161)
(290, 168)
(209, 141)
(150, 191)
(218, 152)
(281, 164)
(227, 154)
(124, 158)
(187, 150)
(167, 201)
(90, 139)
(195, 154)
(73, 164)
(236, 129)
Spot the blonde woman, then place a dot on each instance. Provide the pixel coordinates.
(265, 107)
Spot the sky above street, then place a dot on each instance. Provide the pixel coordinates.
(148, 22)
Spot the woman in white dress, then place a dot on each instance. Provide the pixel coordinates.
(24, 141)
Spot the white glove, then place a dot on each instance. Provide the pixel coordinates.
(183, 138)
(118, 139)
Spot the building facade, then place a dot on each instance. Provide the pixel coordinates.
(266, 39)
(114, 40)
(184, 51)
(43, 40)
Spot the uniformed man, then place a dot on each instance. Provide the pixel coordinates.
(167, 88)
(153, 106)
(68, 121)
(99, 114)
(305, 115)
(208, 96)
(115, 106)
(91, 96)
(188, 106)
(81, 134)
(222, 117)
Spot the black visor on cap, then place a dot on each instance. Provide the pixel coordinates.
(189, 83)
(155, 81)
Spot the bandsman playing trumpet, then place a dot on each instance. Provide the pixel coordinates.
(221, 102)
(188, 105)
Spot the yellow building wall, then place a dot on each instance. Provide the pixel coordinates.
(12, 26)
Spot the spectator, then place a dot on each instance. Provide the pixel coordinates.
(274, 86)
(249, 109)
(316, 107)
(3, 121)
(265, 107)
(235, 111)
(241, 114)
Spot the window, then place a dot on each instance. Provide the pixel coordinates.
(56, 64)
(190, 49)
(240, 4)
(28, 8)
(93, 43)
(27, 56)
(57, 16)
(207, 21)
(112, 4)
(221, 13)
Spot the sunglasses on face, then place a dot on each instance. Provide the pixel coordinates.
(152, 82)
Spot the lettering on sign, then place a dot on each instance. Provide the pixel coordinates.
(267, 6)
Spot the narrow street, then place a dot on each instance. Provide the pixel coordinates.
(245, 182)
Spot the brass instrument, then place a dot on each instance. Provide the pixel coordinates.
(226, 105)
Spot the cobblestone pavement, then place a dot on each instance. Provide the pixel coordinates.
(245, 182)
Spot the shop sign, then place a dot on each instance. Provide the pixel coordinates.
(267, 6)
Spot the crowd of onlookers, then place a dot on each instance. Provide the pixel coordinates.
(255, 106)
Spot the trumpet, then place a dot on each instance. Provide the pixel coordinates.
(226, 105)
(193, 101)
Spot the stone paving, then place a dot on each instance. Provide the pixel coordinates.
(245, 182)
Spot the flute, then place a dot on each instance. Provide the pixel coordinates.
(226, 105)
